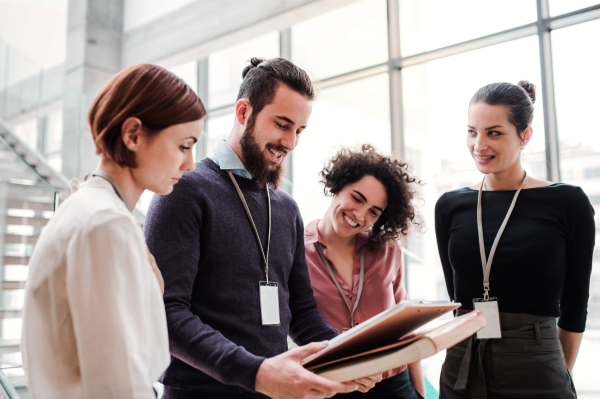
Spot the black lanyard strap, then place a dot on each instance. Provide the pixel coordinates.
(262, 252)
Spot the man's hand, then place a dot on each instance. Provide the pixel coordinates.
(366, 383)
(283, 377)
(156, 271)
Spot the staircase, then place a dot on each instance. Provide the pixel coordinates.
(30, 191)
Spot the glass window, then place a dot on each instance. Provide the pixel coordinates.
(27, 131)
(189, 73)
(576, 85)
(346, 115)
(3, 65)
(558, 7)
(348, 38)
(591, 173)
(432, 24)
(217, 128)
(54, 129)
(55, 161)
(22, 84)
(225, 67)
(436, 97)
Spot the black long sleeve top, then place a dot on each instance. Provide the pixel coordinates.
(543, 262)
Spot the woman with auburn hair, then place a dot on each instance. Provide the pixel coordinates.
(353, 256)
(519, 249)
(94, 324)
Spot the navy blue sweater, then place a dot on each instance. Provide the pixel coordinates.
(207, 252)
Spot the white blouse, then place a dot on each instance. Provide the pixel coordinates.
(94, 323)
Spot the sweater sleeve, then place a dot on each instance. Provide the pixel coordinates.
(307, 325)
(441, 233)
(581, 235)
(108, 294)
(173, 228)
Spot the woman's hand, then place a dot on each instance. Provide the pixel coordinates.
(156, 271)
(570, 342)
(366, 383)
(416, 377)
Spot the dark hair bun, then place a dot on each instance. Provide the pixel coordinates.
(253, 64)
(529, 88)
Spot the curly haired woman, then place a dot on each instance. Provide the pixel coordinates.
(353, 256)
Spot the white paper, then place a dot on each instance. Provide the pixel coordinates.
(492, 320)
(269, 304)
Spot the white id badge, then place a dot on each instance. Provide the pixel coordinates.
(269, 303)
(492, 318)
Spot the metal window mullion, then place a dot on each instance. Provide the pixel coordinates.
(575, 17)
(395, 80)
(285, 51)
(395, 93)
(202, 90)
(6, 68)
(548, 99)
(355, 75)
(42, 132)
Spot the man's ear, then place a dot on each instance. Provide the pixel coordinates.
(243, 110)
(131, 131)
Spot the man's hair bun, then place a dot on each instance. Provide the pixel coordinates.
(254, 62)
(529, 88)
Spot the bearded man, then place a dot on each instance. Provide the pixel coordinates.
(230, 247)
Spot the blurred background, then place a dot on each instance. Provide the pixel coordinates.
(398, 74)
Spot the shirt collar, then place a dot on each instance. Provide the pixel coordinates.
(226, 158)
(311, 235)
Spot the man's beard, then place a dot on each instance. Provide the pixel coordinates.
(255, 161)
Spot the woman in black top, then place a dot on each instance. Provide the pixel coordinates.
(539, 271)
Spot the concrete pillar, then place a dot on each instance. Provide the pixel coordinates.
(94, 30)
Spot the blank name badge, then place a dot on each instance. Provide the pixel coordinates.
(269, 303)
(489, 309)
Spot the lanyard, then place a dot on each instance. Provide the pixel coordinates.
(262, 252)
(487, 265)
(120, 193)
(337, 284)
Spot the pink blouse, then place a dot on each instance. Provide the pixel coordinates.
(383, 282)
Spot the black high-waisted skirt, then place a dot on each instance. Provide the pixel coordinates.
(527, 363)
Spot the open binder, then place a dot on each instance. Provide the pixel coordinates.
(387, 341)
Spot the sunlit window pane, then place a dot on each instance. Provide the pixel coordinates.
(342, 40)
(189, 73)
(558, 7)
(347, 115)
(432, 24)
(576, 62)
(435, 119)
(28, 132)
(54, 129)
(226, 66)
(436, 98)
(216, 129)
